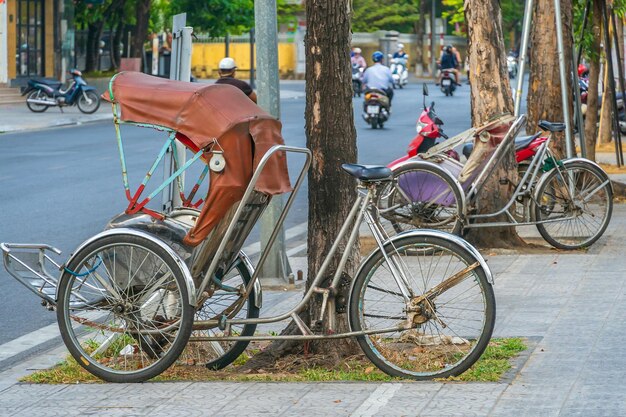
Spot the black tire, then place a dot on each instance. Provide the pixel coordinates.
(381, 124)
(221, 354)
(88, 102)
(134, 327)
(435, 200)
(590, 218)
(37, 108)
(453, 328)
(374, 122)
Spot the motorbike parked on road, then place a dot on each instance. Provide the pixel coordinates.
(42, 94)
(399, 72)
(376, 108)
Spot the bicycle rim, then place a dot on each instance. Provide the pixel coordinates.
(452, 329)
(123, 309)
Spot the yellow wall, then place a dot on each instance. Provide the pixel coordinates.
(206, 56)
(12, 37)
(49, 38)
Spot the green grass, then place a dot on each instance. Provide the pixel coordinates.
(489, 368)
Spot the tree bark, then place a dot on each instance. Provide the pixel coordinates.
(544, 92)
(419, 41)
(490, 96)
(140, 32)
(331, 136)
(591, 115)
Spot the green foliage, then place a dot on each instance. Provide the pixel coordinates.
(217, 17)
(512, 15)
(373, 15)
(455, 14)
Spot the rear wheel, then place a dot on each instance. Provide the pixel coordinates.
(37, 95)
(422, 197)
(578, 201)
(225, 300)
(123, 308)
(374, 122)
(444, 323)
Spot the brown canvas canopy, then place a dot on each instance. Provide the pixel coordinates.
(203, 114)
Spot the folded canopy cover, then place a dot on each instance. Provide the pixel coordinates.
(204, 114)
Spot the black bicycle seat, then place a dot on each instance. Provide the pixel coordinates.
(552, 127)
(367, 172)
(523, 141)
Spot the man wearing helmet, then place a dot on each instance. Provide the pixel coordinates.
(400, 53)
(226, 70)
(379, 76)
(448, 61)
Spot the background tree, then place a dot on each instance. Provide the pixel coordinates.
(592, 45)
(217, 17)
(544, 86)
(490, 96)
(373, 15)
(331, 136)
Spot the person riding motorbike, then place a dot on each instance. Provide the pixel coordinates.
(358, 59)
(400, 54)
(448, 62)
(378, 76)
(226, 70)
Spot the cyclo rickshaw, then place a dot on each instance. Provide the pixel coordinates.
(155, 286)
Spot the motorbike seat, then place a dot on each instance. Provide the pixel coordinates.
(523, 141)
(551, 126)
(377, 91)
(367, 172)
(49, 82)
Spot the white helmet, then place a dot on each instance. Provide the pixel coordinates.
(357, 50)
(400, 46)
(227, 64)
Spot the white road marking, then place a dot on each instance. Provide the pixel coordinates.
(377, 400)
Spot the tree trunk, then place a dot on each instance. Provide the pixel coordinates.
(331, 136)
(92, 58)
(544, 92)
(140, 32)
(419, 41)
(591, 115)
(490, 96)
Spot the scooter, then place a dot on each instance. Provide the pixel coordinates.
(511, 65)
(376, 108)
(357, 80)
(448, 83)
(45, 93)
(399, 72)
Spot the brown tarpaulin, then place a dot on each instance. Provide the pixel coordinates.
(205, 114)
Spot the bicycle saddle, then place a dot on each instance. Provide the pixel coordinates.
(523, 141)
(552, 127)
(367, 172)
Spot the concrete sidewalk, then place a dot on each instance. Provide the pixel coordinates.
(569, 305)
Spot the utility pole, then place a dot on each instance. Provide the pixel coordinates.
(433, 57)
(268, 93)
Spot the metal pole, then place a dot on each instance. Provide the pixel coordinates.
(528, 16)
(578, 105)
(268, 93)
(252, 58)
(620, 74)
(227, 45)
(564, 90)
(433, 58)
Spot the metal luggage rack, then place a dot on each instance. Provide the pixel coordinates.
(29, 263)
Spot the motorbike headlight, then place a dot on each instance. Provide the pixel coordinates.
(419, 126)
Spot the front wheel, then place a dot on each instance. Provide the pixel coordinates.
(443, 323)
(123, 308)
(422, 197)
(34, 107)
(576, 200)
(88, 102)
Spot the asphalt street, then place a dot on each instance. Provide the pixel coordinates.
(60, 186)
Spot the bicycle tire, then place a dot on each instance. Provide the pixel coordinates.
(223, 353)
(136, 325)
(432, 348)
(552, 202)
(436, 201)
